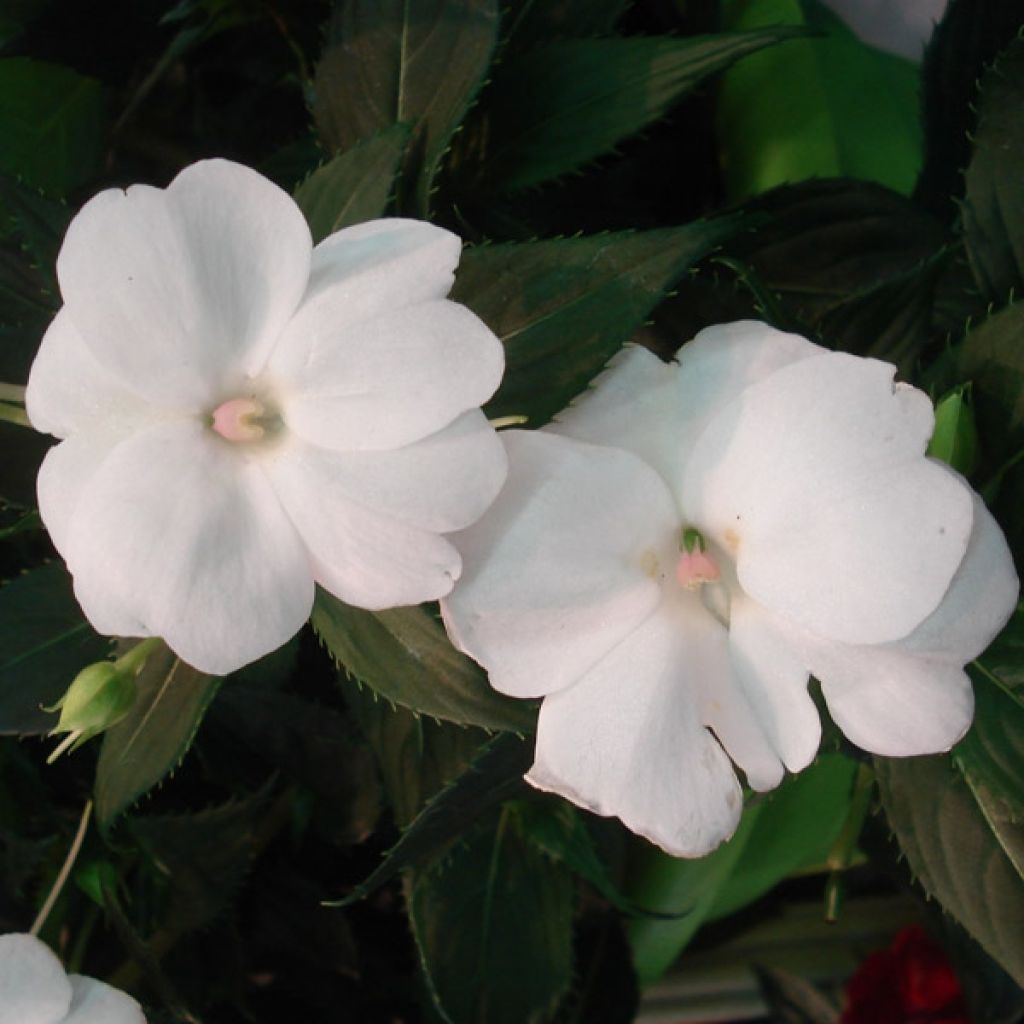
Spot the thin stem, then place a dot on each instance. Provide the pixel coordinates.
(65, 871)
(14, 414)
(13, 393)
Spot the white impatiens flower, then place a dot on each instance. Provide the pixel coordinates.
(671, 560)
(35, 990)
(243, 415)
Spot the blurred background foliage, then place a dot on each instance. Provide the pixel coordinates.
(620, 170)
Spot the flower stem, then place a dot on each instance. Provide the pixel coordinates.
(134, 660)
(65, 871)
(13, 393)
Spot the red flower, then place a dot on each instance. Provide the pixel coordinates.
(911, 982)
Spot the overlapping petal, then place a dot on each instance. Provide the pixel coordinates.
(564, 566)
(373, 268)
(69, 390)
(913, 696)
(373, 557)
(626, 740)
(774, 681)
(182, 292)
(815, 480)
(191, 537)
(657, 410)
(386, 382)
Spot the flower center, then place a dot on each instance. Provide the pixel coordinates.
(696, 565)
(244, 419)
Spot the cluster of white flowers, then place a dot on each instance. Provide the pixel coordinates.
(243, 415)
(35, 990)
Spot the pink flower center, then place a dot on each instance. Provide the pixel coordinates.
(695, 568)
(238, 419)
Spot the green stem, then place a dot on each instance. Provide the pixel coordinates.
(13, 393)
(65, 871)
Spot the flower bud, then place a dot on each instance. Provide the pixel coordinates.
(99, 697)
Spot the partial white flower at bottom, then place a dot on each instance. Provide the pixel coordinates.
(671, 560)
(243, 415)
(35, 990)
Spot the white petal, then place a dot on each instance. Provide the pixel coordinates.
(365, 556)
(902, 28)
(626, 741)
(892, 703)
(816, 480)
(387, 381)
(657, 410)
(979, 602)
(565, 564)
(67, 470)
(33, 986)
(774, 680)
(69, 390)
(368, 269)
(182, 292)
(94, 1002)
(442, 483)
(912, 696)
(188, 533)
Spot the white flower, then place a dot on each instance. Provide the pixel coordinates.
(35, 990)
(830, 546)
(244, 415)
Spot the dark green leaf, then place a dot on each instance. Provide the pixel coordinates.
(555, 108)
(849, 110)
(892, 320)
(493, 923)
(993, 211)
(969, 36)
(556, 828)
(313, 746)
(821, 243)
(38, 225)
(952, 850)
(794, 826)
(152, 739)
(355, 185)
(991, 759)
(44, 642)
(532, 22)
(202, 857)
(51, 120)
(404, 655)
(387, 62)
(991, 357)
(416, 756)
(495, 774)
(562, 308)
(1003, 663)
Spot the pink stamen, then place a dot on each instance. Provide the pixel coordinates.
(695, 568)
(233, 420)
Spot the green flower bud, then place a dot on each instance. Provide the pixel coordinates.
(955, 440)
(99, 697)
